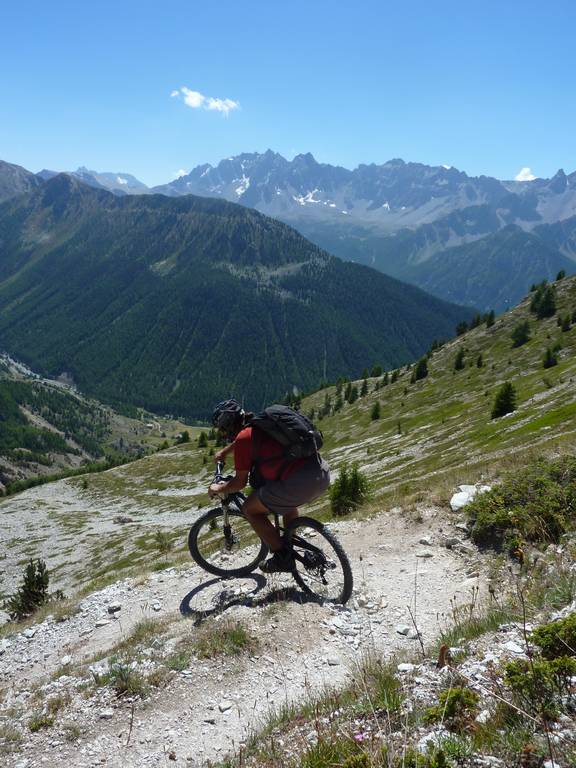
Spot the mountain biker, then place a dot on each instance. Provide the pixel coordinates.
(283, 487)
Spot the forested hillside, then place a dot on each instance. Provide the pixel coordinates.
(172, 304)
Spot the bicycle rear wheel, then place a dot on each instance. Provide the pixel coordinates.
(232, 551)
(321, 566)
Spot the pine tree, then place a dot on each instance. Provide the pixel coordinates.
(479, 361)
(353, 394)
(565, 324)
(32, 593)
(505, 401)
(376, 371)
(459, 360)
(375, 412)
(461, 328)
(489, 318)
(550, 359)
(348, 391)
(421, 370)
(521, 334)
(365, 373)
(561, 275)
(386, 379)
(203, 440)
(543, 302)
(364, 389)
(394, 377)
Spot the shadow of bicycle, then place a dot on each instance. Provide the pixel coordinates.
(217, 595)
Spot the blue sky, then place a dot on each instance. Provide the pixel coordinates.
(488, 87)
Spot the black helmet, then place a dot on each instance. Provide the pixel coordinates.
(228, 416)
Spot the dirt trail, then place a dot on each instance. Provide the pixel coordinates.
(212, 707)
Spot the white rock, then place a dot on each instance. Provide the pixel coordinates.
(102, 623)
(106, 714)
(406, 667)
(513, 647)
(403, 629)
(224, 706)
(551, 764)
(471, 489)
(65, 660)
(459, 500)
(412, 634)
(30, 632)
(156, 606)
(114, 607)
(424, 554)
(333, 661)
(426, 541)
(483, 717)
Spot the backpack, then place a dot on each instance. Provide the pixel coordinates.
(295, 433)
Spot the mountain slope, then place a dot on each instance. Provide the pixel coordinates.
(173, 304)
(15, 180)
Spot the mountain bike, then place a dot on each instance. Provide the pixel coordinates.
(223, 542)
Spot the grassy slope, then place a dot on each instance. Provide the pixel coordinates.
(438, 430)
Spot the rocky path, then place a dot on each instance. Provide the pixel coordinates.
(202, 712)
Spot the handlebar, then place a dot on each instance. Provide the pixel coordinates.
(218, 476)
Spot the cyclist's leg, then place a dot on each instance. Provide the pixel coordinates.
(257, 515)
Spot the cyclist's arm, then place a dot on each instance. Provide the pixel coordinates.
(239, 481)
(223, 452)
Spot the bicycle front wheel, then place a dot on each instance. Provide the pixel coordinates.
(321, 566)
(233, 550)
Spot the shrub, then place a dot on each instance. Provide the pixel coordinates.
(479, 361)
(521, 334)
(349, 490)
(561, 275)
(202, 439)
(456, 707)
(536, 504)
(557, 638)
(505, 401)
(539, 685)
(32, 593)
(163, 542)
(375, 412)
(565, 323)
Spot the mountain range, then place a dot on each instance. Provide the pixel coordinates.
(409, 220)
(175, 303)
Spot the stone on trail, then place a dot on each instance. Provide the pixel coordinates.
(106, 714)
(403, 629)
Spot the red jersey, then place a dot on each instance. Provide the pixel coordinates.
(267, 451)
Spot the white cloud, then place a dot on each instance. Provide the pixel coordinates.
(197, 100)
(525, 174)
(180, 173)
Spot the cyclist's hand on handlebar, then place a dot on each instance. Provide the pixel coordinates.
(215, 488)
(220, 456)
